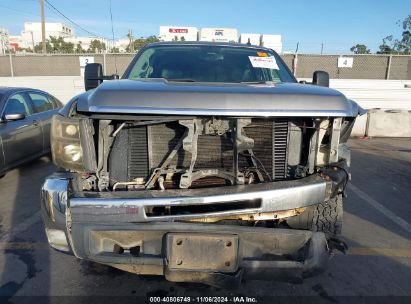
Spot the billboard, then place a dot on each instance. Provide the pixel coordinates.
(178, 33)
(219, 34)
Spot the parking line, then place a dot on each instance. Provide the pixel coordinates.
(388, 213)
(384, 252)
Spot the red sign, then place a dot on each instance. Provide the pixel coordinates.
(15, 45)
(178, 31)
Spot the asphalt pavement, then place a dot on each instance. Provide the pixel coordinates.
(377, 217)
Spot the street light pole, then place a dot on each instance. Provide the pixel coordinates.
(43, 27)
(32, 40)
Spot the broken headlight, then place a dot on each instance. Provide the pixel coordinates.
(65, 143)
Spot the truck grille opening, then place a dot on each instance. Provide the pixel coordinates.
(152, 211)
(138, 150)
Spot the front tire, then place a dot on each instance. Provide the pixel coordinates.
(325, 217)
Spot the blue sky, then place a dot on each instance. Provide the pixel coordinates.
(337, 24)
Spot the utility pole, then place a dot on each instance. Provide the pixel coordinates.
(32, 40)
(131, 42)
(43, 27)
(322, 48)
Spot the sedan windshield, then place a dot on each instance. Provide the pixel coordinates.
(204, 63)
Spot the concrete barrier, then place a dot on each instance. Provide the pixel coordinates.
(389, 123)
(360, 126)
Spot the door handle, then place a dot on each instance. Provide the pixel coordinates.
(35, 122)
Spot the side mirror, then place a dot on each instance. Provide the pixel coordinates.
(321, 78)
(14, 116)
(93, 76)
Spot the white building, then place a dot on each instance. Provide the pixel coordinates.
(219, 34)
(31, 34)
(273, 42)
(122, 44)
(178, 33)
(254, 39)
(270, 41)
(4, 40)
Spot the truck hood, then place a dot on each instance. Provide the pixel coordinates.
(159, 96)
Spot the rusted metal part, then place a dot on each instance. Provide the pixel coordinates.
(264, 216)
(137, 183)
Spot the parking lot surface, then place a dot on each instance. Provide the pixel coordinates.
(376, 228)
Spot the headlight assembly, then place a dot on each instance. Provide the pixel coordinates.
(65, 143)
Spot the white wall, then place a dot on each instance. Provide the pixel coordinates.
(62, 87)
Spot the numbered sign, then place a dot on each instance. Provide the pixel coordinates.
(345, 62)
(85, 60)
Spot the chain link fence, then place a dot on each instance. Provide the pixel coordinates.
(395, 67)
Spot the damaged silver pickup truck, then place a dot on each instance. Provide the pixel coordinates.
(205, 163)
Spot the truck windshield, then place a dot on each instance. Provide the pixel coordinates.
(198, 63)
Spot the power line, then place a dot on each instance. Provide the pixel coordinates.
(71, 21)
(18, 11)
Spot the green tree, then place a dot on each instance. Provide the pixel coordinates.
(360, 49)
(96, 46)
(403, 45)
(67, 48)
(115, 50)
(79, 48)
(38, 48)
(55, 45)
(139, 43)
(28, 50)
(398, 46)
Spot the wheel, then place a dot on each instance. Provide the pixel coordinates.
(325, 217)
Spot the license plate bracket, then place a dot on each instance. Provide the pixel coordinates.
(202, 252)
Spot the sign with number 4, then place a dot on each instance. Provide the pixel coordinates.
(345, 62)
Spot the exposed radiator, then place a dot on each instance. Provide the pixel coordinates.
(138, 150)
(280, 143)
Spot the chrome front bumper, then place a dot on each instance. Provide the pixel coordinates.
(92, 224)
(133, 207)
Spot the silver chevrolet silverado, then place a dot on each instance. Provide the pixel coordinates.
(206, 162)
